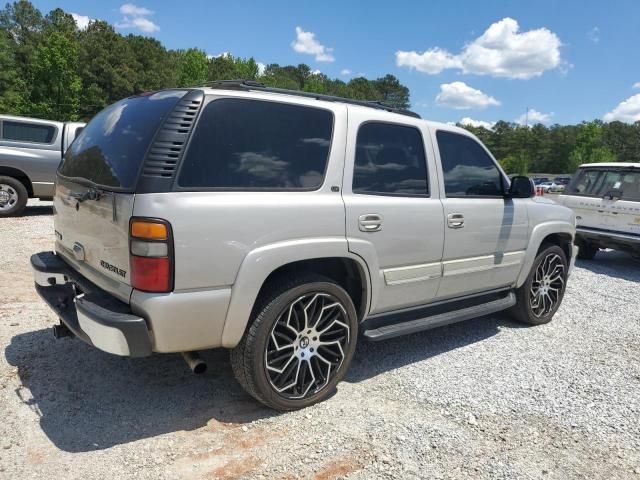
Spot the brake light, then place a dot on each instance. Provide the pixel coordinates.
(151, 252)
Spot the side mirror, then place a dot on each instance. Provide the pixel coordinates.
(613, 194)
(521, 187)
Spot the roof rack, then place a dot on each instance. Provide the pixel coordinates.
(248, 85)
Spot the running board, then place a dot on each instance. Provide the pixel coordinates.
(453, 316)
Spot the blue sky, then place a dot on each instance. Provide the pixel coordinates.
(567, 61)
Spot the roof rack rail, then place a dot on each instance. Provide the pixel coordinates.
(257, 86)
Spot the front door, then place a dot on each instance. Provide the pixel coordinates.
(485, 233)
(393, 213)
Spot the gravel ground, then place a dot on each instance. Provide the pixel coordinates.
(483, 399)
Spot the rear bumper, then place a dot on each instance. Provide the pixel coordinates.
(92, 314)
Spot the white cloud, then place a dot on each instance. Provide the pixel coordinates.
(81, 20)
(501, 51)
(306, 43)
(636, 85)
(134, 10)
(461, 96)
(627, 111)
(136, 17)
(432, 61)
(345, 71)
(316, 72)
(477, 123)
(140, 23)
(221, 54)
(594, 34)
(533, 117)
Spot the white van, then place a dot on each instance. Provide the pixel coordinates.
(606, 200)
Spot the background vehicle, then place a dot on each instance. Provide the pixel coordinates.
(30, 152)
(606, 200)
(562, 180)
(551, 187)
(540, 180)
(279, 224)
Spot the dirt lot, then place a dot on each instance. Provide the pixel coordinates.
(483, 399)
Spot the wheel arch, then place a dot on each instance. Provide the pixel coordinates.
(19, 175)
(556, 233)
(328, 257)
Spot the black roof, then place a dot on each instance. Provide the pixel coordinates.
(249, 85)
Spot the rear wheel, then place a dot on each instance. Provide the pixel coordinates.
(299, 345)
(13, 197)
(538, 299)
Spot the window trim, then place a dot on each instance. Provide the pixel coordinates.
(505, 179)
(54, 138)
(390, 194)
(601, 169)
(176, 187)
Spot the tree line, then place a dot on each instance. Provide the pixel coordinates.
(50, 68)
(560, 148)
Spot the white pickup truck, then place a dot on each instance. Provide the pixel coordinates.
(606, 200)
(30, 152)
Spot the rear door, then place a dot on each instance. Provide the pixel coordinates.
(96, 188)
(485, 233)
(393, 210)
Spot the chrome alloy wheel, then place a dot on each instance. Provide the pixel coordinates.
(547, 285)
(306, 345)
(8, 196)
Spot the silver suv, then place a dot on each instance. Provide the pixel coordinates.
(284, 226)
(30, 152)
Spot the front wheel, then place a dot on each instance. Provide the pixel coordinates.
(300, 343)
(538, 299)
(13, 197)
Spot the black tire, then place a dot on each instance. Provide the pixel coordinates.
(587, 251)
(286, 296)
(532, 309)
(9, 189)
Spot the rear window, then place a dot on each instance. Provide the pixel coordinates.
(253, 145)
(27, 132)
(599, 182)
(109, 150)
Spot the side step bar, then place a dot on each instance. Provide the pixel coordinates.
(426, 323)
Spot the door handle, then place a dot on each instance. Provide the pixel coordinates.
(370, 222)
(455, 220)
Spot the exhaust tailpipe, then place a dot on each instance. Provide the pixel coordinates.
(196, 364)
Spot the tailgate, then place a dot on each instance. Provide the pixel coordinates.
(93, 235)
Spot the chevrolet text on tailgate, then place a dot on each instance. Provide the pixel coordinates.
(285, 226)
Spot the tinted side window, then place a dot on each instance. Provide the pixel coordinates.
(27, 132)
(584, 182)
(630, 185)
(251, 144)
(597, 183)
(467, 169)
(390, 160)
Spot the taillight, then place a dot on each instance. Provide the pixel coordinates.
(151, 250)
